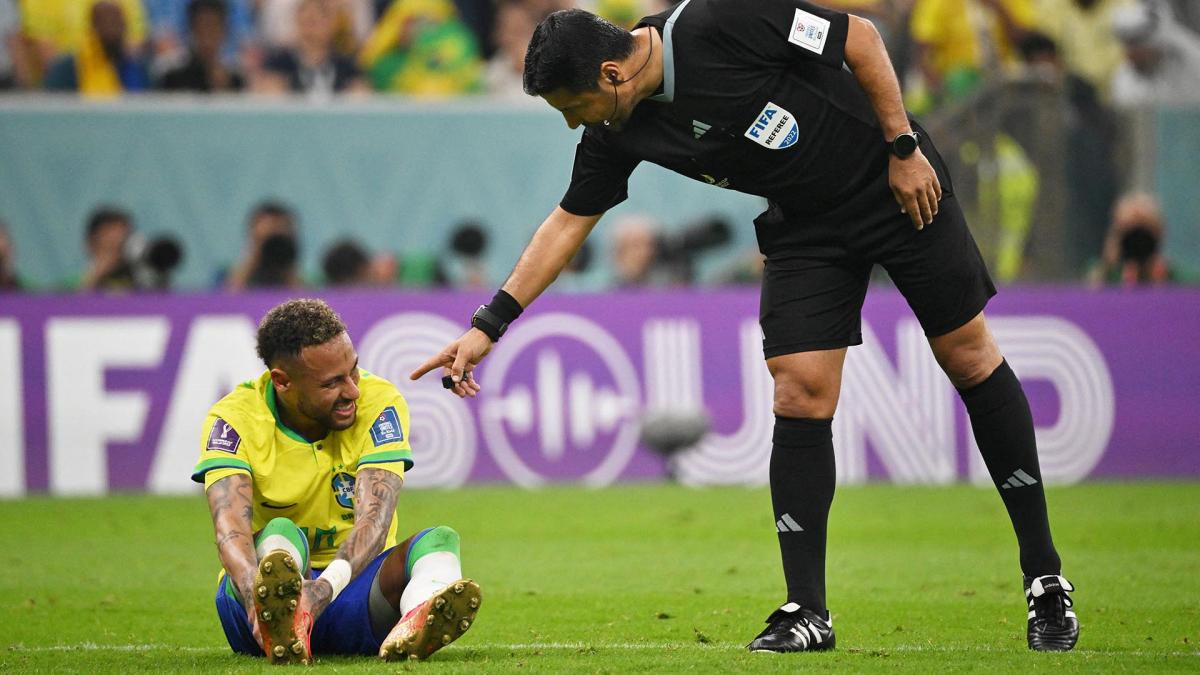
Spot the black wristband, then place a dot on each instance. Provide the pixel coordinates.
(494, 317)
(505, 307)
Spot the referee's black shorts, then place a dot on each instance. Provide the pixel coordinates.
(818, 268)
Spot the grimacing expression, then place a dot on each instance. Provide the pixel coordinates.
(324, 383)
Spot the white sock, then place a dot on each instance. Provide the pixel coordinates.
(430, 573)
(274, 542)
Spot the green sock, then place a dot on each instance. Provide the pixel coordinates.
(282, 533)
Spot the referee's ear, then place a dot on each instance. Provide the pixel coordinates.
(610, 73)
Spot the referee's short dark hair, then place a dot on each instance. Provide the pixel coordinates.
(566, 51)
(294, 325)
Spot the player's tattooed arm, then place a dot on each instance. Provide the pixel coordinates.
(231, 501)
(375, 494)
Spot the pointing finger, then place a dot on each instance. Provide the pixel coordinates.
(442, 359)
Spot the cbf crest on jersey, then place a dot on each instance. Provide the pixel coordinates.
(343, 489)
(809, 31)
(774, 128)
(223, 437)
(386, 428)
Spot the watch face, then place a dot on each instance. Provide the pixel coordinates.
(904, 145)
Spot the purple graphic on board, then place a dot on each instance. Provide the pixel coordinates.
(112, 392)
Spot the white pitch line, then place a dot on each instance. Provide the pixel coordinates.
(573, 646)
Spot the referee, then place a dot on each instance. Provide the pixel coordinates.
(800, 105)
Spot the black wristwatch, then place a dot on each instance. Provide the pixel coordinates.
(491, 325)
(904, 145)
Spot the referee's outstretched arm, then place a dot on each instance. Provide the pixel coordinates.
(553, 246)
(913, 180)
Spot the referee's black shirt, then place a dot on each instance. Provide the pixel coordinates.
(755, 98)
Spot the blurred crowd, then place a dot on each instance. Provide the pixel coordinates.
(315, 48)
(1129, 51)
(1106, 55)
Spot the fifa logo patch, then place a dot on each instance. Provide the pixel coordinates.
(223, 437)
(386, 428)
(809, 31)
(774, 128)
(343, 490)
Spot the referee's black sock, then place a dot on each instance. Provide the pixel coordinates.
(1003, 428)
(802, 482)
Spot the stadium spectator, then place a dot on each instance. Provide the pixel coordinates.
(958, 42)
(422, 48)
(8, 265)
(1162, 58)
(103, 65)
(1082, 29)
(511, 32)
(204, 70)
(295, 435)
(352, 22)
(312, 67)
(346, 263)
(171, 28)
(10, 43)
(1091, 168)
(635, 251)
(60, 27)
(1132, 254)
(269, 260)
(107, 234)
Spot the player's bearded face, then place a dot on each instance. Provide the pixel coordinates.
(326, 383)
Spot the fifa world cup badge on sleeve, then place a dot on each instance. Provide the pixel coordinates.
(223, 437)
(386, 428)
(809, 31)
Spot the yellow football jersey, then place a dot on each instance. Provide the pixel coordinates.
(310, 483)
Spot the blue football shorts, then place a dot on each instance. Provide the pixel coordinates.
(343, 628)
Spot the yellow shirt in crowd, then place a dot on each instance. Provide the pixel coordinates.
(951, 30)
(65, 23)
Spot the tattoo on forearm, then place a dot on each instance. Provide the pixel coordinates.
(229, 536)
(375, 494)
(231, 502)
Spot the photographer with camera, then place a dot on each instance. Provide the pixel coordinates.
(271, 254)
(108, 229)
(1132, 253)
(643, 254)
(121, 259)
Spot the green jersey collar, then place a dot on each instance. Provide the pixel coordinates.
(273, 406)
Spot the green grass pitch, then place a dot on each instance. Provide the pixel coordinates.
(642, 578)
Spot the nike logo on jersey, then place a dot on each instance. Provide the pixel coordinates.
(774, 128)
(277, 506)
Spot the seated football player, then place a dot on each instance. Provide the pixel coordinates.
(302, 467)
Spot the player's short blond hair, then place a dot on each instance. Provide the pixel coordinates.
(294, 325)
